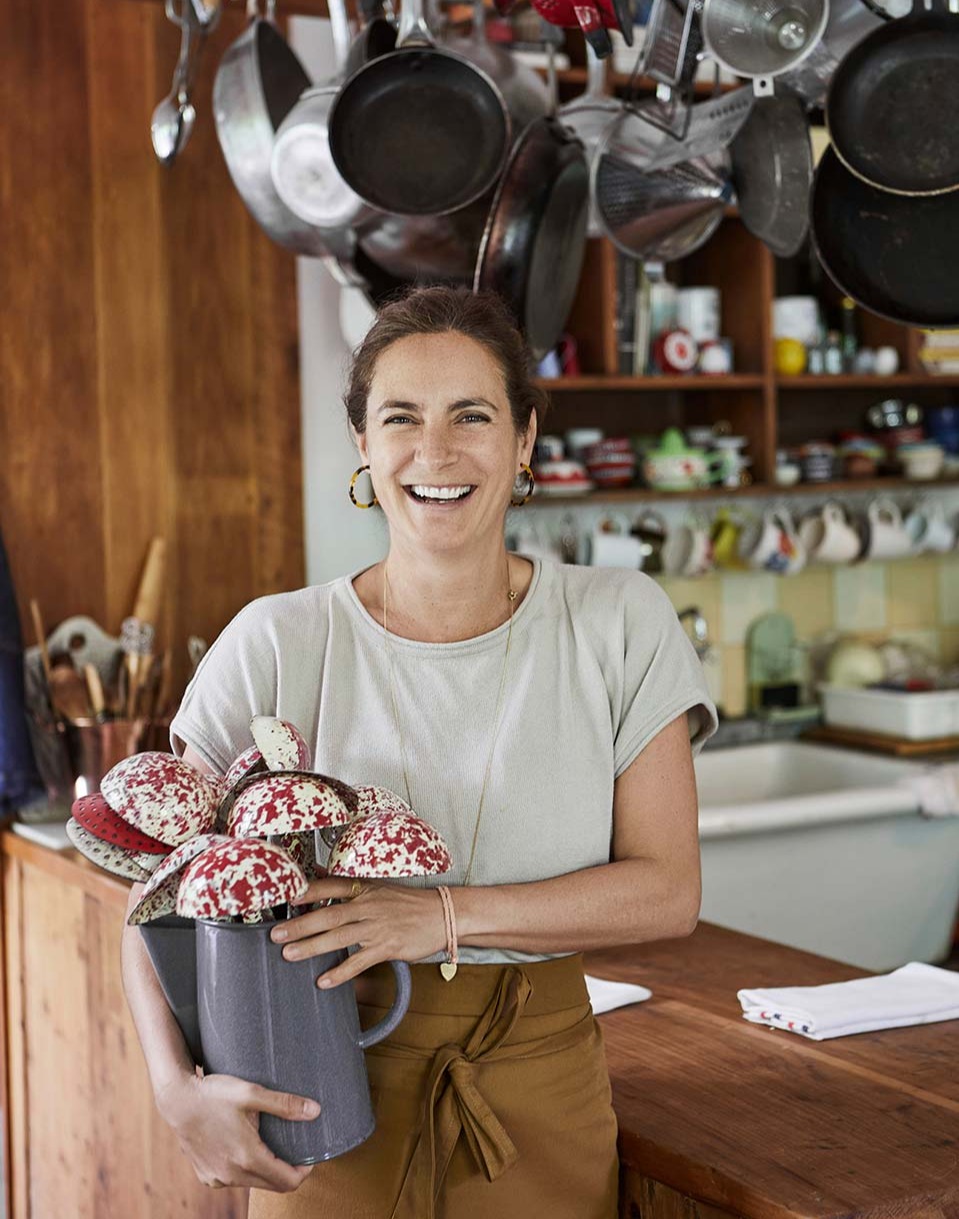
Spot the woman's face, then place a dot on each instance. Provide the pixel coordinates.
(440, 441)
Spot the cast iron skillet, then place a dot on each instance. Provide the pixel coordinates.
(893, 103)
(896, 256)
(419, 131)
(535, 238)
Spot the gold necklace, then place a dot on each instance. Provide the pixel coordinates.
(511, 594)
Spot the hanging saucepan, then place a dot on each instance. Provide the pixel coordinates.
(431, 248)
(895, 255)
(772, 173)
(893, 105)
(535, 238)
(523, 90)
(761, 38)
(848, 23)
(420, 131)
(256, 85)
(377, 36)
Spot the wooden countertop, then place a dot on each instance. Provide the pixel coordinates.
(764, 1122)
(756, 1121)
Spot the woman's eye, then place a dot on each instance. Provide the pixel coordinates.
(473, 415)
(398, 419)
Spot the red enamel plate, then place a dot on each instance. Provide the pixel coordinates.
(95, 815)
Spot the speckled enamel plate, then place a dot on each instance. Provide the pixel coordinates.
(162, 796)
(159, 894)
(96, 816)
(238, 877)
(280, 743)
(389, 844)
(301, 849)
(243, 764)
(285, 804)
(381, 800)
(107, 855)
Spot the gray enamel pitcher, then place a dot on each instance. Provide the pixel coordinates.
(264, 1019)
(171, 943)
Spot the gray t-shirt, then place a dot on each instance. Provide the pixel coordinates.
(598, 664)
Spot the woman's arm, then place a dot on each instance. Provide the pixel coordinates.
(650, 891)
(215, 1117)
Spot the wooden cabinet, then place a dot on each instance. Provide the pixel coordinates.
(84, 1138)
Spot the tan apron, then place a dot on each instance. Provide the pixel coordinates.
(492, 1101)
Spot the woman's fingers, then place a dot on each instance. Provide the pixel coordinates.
(354, 965)
(280, 1104)
(329, 941)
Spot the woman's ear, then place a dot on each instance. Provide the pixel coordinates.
(529, 440)
(359, 439)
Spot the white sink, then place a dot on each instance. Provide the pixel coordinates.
(780, 784)
(824, 849)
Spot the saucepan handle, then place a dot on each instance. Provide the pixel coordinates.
(384, 1027)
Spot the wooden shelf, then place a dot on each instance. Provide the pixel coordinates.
(919, 380)
(627, 495)
(600, 381)
(618, 81)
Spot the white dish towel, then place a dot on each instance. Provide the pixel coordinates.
(913, 994)
(605, 995)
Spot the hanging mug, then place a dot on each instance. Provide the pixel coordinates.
(612, 545)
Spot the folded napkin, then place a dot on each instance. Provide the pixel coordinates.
(937, 790)
(913, 994)
(605, 995)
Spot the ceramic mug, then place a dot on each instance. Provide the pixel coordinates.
(688, 550)
(884, 535)
(612, 545)
(725, 538)
(929, 530)
(652, 532)
(771, 544)
(829, 537)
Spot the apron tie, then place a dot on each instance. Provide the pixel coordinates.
(454, 1105)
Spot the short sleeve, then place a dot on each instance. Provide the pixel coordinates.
(235, 680)
(662, 675)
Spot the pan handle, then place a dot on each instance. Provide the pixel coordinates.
(414, 30)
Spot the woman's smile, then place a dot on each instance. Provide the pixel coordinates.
(447, 496)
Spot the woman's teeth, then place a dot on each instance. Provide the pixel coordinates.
(439, 493)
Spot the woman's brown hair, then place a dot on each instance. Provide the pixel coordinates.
(439, 309)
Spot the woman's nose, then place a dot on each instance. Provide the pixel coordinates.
(436, 447)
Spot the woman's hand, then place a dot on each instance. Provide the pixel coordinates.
(216, 1120)
(388, 922)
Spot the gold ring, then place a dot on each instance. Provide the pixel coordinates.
(355, 890)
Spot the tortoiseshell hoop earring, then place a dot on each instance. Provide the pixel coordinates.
(359, 504)
(530, 484)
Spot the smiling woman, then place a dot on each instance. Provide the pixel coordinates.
(543, 718)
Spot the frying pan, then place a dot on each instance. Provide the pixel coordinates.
(772, 172)
(535, 237)
(420, 131)
(893, 103)
(256, 85)
(894, 255)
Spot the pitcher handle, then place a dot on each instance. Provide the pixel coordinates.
(384, 1027)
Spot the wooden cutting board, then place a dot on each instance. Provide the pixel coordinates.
(900, 745)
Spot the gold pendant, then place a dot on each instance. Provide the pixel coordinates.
(448, 970)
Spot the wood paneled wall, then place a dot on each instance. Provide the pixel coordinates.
(148, 349)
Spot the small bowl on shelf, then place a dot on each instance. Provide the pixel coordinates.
(921, 462)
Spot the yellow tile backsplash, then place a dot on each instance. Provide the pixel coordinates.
(915, 599)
